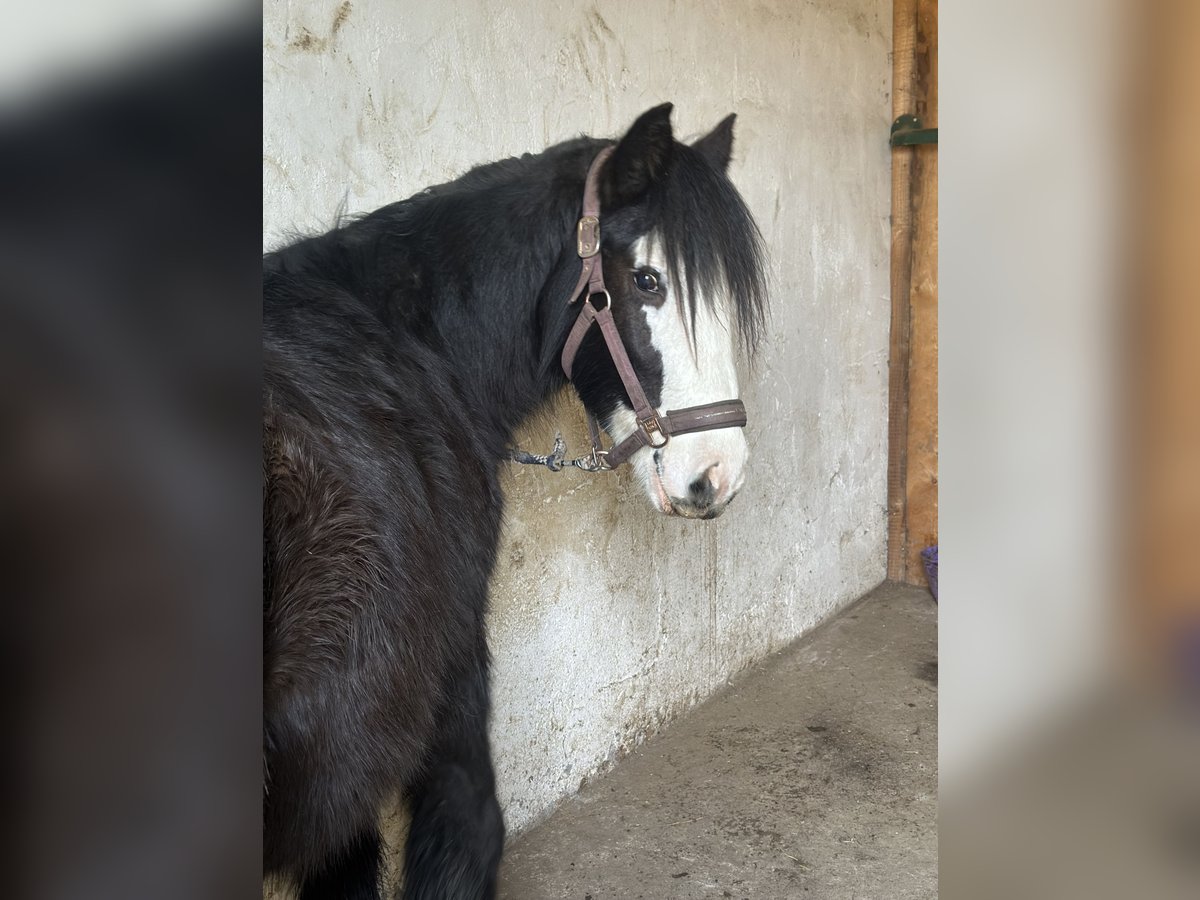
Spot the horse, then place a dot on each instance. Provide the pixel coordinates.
(402, 350)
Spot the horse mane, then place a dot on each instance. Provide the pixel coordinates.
(713, 246)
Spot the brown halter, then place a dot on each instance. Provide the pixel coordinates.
(654, 429)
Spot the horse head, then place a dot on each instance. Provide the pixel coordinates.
(684, 275)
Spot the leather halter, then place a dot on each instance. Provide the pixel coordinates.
(654, 429)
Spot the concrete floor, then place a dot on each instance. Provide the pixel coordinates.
(813, 774)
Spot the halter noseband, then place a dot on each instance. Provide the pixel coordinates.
(654, 429)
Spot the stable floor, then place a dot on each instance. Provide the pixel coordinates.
(813, 775)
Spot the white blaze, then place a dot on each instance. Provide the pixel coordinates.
(697, 368)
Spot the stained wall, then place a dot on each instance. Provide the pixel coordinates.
(608, 620)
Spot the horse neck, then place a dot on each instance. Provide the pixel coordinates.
(497, 339)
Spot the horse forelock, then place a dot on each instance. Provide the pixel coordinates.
(712, 245)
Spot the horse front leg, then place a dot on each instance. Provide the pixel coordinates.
(457, 831)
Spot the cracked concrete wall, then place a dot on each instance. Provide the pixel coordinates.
(607, 619)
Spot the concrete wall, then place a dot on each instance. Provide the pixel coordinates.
(607, 619)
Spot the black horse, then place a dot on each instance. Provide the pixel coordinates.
(401, 351)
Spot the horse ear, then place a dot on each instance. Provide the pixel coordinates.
(640, 157)
(717, 145)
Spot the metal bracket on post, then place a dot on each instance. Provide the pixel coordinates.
(907, 130)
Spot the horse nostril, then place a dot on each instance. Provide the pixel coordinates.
(703, 491)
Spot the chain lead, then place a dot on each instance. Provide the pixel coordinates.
(556, 460)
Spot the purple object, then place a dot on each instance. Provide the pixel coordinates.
(929, 558)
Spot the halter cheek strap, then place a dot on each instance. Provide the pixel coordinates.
(654, 429)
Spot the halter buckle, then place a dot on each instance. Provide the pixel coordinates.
(587, 237)
(651, 426)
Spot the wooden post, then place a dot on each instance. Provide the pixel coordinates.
(1162, 413)
(904, 37)
(921, 441)
(912, 366)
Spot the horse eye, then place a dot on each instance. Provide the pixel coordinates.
(646, 280)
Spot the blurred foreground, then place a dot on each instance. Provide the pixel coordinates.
(1070, 489)
(129, 499)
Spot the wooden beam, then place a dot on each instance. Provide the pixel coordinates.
(904, 36)
(1162, 485)
(921, 441)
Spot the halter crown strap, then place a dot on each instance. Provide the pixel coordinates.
(654, 430)
(587, 245)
